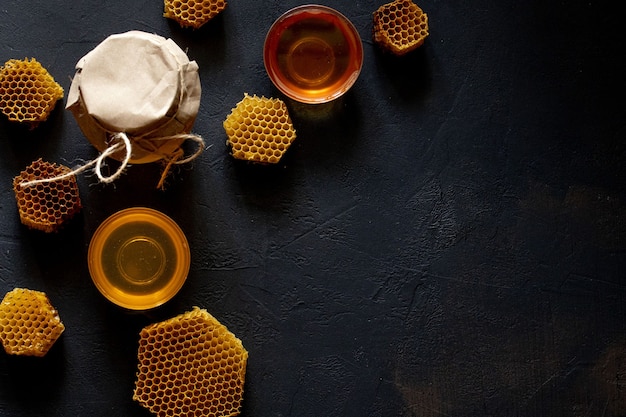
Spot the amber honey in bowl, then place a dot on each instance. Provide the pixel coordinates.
(313, 54)
(138, 258)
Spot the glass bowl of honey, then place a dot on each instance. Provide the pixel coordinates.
(313, 54)
(138, 258)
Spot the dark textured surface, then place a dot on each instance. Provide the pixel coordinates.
(447, 240)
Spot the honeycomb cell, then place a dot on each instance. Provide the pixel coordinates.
(193, 13)
(400, 26)
(190, 386)
(28, 93)
(46, 206)
(29, 324)
(259, 129)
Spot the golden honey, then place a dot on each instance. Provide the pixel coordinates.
(138, 258)
(313, 54)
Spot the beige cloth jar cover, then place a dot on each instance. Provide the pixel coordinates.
(141, 85)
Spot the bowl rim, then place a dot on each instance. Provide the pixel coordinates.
(271, 71)
(95, 252)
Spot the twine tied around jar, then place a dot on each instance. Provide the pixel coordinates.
(135, 97)
(121, 142)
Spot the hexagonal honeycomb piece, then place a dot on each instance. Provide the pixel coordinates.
(400, 26)
(259, 129)
(190, 365)
(46, 206)
(28, 93)
(193, 13)
(29, 325)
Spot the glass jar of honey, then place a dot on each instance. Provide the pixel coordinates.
(313, 54)
(138, 258)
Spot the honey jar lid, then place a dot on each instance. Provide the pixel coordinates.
(138, 83)
(139, 258)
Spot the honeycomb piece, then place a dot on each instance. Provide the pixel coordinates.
(259, 129)
(29, 325)
(47, 205)
(400, 26)
(190, 365)
(193, 13)
(28, 93)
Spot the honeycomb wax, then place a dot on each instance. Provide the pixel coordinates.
(190, 365)
(259, 129)
(46, 206)
(28, 93)
(29, 324)
(193, 13)
(400, 26)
